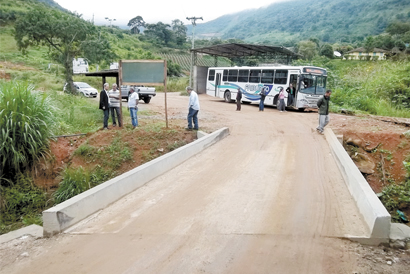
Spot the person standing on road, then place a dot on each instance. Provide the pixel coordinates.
(291, 94)
(282, 100)
(262, 100)
(133, 106)
(193, 109)
(105, 105)
(238, 99)
(114, 96)
(323, 105)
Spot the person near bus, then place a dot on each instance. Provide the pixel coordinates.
(133, 99)
(291, 94)
(323, 105)
(238, 99)
(282, 99)
(193, 109)
(105, 104)
(114, 96)
(262, 100)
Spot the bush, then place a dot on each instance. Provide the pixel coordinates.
(27, 118)
(21, 204)
(78, 180)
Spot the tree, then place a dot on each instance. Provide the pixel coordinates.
(398, 28)
(406, 37)
(66, 35)
(173, 69)
(383, 41)
(179, 30)
(327, 50)
(369, 44)
(136, 23)
(308, 49)
(160, 33)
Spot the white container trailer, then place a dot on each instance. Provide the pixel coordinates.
(80, 65)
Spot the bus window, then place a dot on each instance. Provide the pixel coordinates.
(233, 75)
(309, 84)
(267, 76)
(255, 76)
(211, 76)
(225, 76)
(243, 75)
(281, 77)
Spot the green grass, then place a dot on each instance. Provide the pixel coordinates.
(372, 87)
(175, 84)
(21, 204)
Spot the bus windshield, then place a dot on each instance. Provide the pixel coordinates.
(313, 84)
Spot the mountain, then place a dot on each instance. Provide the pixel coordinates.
(328, 20)
(53, 4)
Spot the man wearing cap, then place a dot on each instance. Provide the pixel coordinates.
(133, 106)
(193, 109)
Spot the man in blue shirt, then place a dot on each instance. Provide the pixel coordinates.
(193, 109)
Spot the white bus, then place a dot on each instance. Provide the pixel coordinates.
(310, 83)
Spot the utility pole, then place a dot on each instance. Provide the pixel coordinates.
(193, 21)
(110, 20)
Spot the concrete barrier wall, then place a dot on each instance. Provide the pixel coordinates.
(374, 213)
(70, 212)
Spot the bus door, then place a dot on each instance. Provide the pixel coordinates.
(293, 79)
(217, 83)
(300, 85)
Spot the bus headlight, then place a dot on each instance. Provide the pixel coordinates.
(304, 102)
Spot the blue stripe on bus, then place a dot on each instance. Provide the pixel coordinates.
(250, 96)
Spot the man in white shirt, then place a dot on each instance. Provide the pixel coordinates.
(114, 98)
(193, 109)
(133, 106)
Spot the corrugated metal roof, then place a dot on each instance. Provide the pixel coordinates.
(244, 50)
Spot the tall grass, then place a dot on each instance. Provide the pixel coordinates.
(27, 119)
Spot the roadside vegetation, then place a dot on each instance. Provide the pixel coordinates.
(34, 110)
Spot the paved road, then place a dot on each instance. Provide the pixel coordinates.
(267, 199)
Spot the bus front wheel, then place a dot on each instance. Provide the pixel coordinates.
(227, 96)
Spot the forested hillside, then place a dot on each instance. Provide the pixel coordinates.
(328, 20)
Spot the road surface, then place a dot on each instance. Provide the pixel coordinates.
(267, 199)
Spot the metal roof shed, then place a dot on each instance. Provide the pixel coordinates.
(235, 50)
(104, 74)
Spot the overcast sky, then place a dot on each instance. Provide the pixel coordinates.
(153, 11)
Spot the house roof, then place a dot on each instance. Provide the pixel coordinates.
(363, 50)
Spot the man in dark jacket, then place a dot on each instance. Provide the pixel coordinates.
(238, 99)
(291, 94)
(105, 104)
(323, 105)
